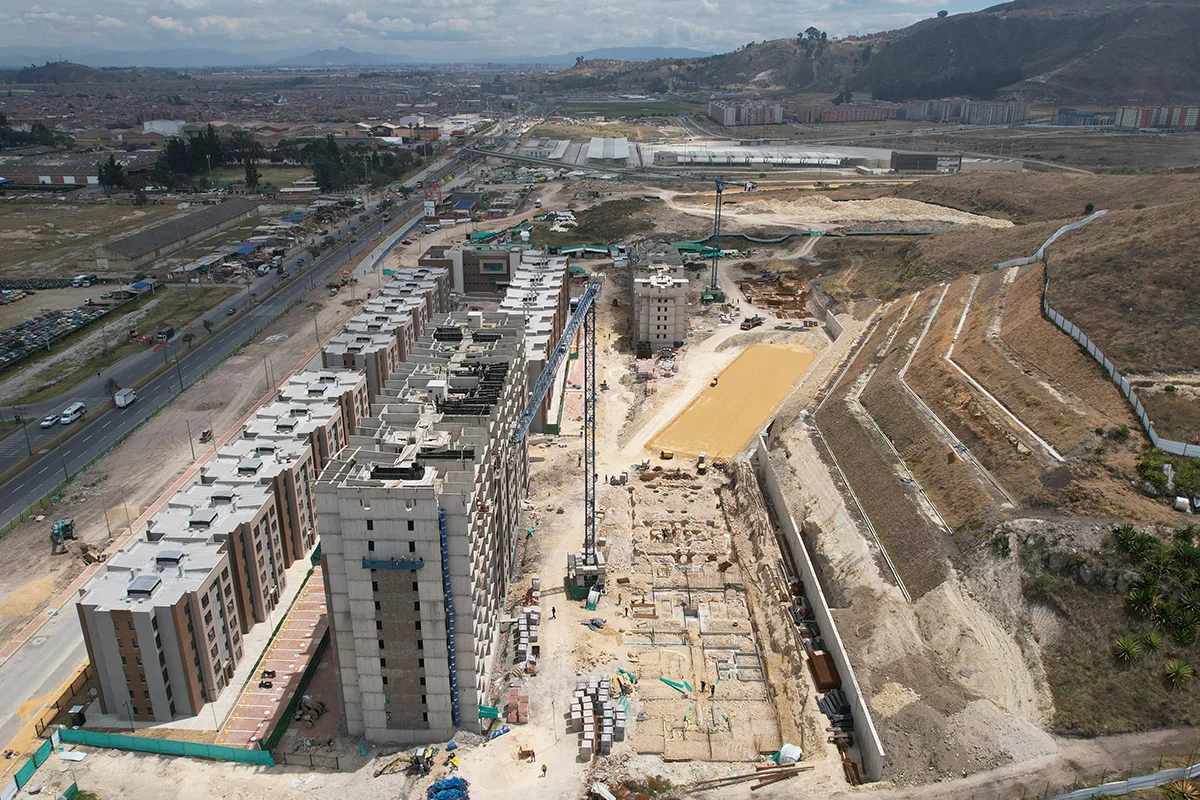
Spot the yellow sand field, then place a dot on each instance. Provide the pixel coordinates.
(721, 420)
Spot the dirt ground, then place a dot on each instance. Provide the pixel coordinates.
(721, 420)
(46, 238)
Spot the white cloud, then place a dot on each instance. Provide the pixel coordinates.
(444, 30)
(167, 24)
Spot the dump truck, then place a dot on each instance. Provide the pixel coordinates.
(702, 463)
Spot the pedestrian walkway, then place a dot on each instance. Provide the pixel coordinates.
(257, 710)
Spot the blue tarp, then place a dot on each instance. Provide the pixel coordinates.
(464, 205)
(246, 248)
(139, 286)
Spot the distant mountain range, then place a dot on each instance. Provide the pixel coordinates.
(202, 58)
(1075, 51)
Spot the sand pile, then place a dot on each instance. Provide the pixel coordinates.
(823, 210)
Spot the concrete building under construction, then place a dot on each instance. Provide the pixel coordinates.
(660, 313)
(540, 292)
(419, 529)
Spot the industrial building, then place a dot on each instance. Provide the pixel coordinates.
(475, 268)
(941, 163)
(378, 338)
(213, 562)
(550, 149)
(419, 530)
(140, 250)
(60, 169)
(660, 314)
(540, 292)
(613, 151)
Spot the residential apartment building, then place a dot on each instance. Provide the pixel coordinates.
(1081, 119)
(659, 306)
(475, 268)
(731, 114)
(380, 336)
(162, 629)
(540, 293)
(419, 529)
(1135, 117)
(807, 114)
(220, 547)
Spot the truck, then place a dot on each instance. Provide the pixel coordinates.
(166, 333)
(125, 398)
(751, 322)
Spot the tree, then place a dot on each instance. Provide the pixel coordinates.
(252, 175)
(110, 386)
(943, 14)
(1089, 208)
(209, 325)
(578, 61)
(139, 197)
(110, 173)
(187, 339)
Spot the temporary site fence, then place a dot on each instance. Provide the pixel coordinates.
(1130, 785)
(1073, 330)
(166, 747)
(866, 737)
(25, 774)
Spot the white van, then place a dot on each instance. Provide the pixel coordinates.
(72, 413)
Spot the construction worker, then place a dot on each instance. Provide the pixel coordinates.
(553, 612)
(543, 770)
(703, 687)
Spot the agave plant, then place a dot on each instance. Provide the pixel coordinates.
(1127, 649)
(1190, 601)
(1186, 534)
(1124, 535)
(1184, 630)
(1143, 600)
(1183, 789)
(1178, 672)
(1153, 642)
(1143, 548)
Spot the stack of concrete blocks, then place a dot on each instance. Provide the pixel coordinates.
(528, 646)
(517, 706)
(589, 574)
(596, 717)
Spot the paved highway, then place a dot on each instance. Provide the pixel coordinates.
(54, 464)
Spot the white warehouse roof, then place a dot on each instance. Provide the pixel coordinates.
(608, 149)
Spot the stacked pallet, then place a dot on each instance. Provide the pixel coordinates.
(516, 707)
(596, 717)
(528, 648)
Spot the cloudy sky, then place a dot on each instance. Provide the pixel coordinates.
(444, 30)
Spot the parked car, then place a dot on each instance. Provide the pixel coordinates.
(50, 421)
(406, 241)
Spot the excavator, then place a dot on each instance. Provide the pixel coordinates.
(62, 530)
(418, 762)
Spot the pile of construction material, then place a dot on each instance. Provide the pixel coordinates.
(596, 717)
(516, 709)
(528, 647)
(764, 775)
(448, 789)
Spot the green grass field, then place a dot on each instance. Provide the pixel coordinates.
(643, 108)
(280, 176)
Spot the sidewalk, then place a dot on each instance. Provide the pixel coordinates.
(256, 711)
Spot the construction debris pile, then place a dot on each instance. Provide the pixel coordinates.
(596, 717)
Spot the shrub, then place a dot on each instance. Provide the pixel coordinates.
(1002, 545)
(1143, 600)
(1153, 642)
(1089, 208)
(1178, 672)
(1127, 649)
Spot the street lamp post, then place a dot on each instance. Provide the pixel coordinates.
(130, 710)
(189, 431)
(20, 417)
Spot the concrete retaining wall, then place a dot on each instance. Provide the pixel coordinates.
(866, 737)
